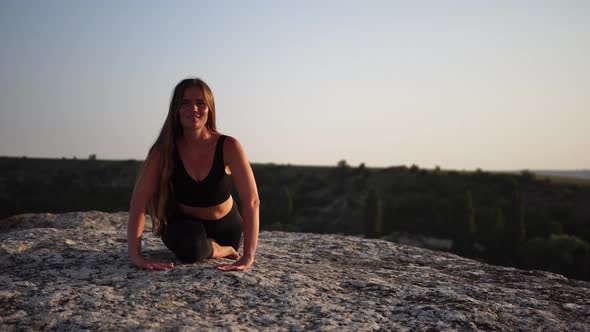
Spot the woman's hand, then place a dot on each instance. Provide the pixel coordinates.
(150, 264)
(240, 265)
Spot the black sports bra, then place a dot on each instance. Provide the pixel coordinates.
(213, 190)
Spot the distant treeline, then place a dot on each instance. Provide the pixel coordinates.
(508, 219)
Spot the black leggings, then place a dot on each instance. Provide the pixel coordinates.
(186, 236)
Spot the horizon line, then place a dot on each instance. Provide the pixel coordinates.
(327, 165)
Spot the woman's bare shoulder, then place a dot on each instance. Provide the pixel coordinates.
(231, 144)
(230, 139)
(155, 153)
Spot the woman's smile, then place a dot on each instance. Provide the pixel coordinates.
(193, 108)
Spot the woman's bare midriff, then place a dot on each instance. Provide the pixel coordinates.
(208, 213)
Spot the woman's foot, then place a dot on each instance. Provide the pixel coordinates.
(223, 251)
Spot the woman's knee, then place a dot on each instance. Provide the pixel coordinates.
(188, 241)
(195, 251)
(232, 230)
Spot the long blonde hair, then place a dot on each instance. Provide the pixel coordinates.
(162, 205)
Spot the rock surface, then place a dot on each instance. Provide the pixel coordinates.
(71, 272)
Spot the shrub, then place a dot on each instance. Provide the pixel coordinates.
(560, 253)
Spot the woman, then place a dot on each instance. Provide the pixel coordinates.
(185, 185)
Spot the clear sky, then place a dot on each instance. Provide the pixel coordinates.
(497, 85)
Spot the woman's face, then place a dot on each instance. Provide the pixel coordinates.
(193, 111)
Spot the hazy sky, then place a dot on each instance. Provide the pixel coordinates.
(497, 85)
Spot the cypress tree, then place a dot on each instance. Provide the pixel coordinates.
(373, 214)
(464, 241)
(469, 215)
(515, 232)
(499, 224)
(496, 252)
(288, 208)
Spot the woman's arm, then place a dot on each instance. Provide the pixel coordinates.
(144, 187)
(246, 186)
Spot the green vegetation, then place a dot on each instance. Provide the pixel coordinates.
(501, 218)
